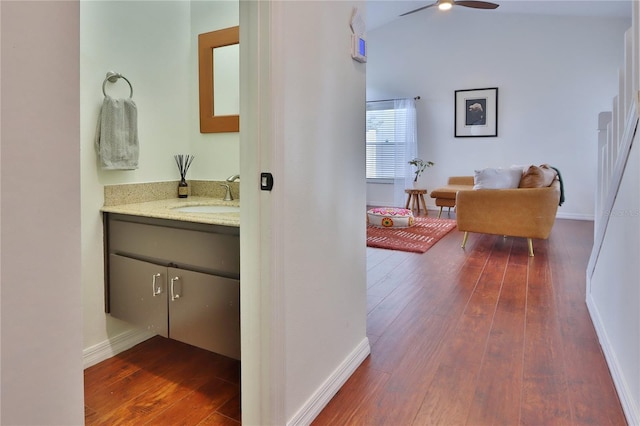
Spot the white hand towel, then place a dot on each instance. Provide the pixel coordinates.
(117, 134)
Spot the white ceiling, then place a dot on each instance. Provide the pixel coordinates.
(380, 12)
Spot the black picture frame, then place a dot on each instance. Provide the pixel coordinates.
(476, 113)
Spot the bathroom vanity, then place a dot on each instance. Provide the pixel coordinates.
(175, 274)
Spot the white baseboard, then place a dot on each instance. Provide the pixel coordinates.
(331, 386)
(111, 347)
(381, 203)
(629, 406)
(575, 216)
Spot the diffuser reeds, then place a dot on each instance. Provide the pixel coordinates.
(183, 162)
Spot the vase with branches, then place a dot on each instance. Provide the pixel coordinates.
(420, 166)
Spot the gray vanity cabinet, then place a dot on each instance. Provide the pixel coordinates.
(138, 293)
(202, 306)
(178, 280)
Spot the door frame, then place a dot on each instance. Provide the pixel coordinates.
(262, 289)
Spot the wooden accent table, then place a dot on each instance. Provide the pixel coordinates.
(415, 197)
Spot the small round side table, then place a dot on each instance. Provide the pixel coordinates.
(415, 197)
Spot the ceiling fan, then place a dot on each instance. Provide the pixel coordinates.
(448, 4)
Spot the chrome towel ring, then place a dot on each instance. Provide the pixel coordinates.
(112, 77)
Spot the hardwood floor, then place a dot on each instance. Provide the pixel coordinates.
(480, 336)
(163, 382)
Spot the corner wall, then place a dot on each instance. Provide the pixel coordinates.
(150, 48)
(613, 292)
(554, 75)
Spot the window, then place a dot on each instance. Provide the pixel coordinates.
(386, 139)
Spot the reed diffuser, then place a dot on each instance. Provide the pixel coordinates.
(183, 162)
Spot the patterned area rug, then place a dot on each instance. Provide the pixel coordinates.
(417, 238)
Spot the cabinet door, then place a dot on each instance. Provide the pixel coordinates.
(138, 293)
(204, 311)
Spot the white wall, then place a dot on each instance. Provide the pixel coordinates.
(154, 45)
(305, 282)
(218, 153)
(613, 294)
(148, 43)
(554, 74)
(319, 94)
(41, 379)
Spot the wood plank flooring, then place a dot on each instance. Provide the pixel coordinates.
(163, 382)
(479, 336)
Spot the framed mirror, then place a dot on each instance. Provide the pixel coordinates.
(218, 65)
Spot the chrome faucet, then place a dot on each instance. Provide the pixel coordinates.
(232, 178)
(227, 196)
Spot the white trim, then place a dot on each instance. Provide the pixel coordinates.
(575, 216)
(631, 410)
(111, 347)
(381, 203)
(261, 297)
(331, 386)
(615, 180)
(273, 147)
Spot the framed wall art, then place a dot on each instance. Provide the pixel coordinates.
(476, 113)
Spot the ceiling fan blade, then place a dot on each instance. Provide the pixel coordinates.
(476, 4)
(419, 9)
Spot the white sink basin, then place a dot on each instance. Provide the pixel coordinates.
(208, 209)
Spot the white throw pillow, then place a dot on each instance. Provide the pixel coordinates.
(523, 169)
(497, 178)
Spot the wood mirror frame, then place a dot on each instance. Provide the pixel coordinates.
(209, 122)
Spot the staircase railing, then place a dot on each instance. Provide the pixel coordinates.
(616, 132)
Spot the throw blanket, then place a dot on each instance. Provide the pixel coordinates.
(117, 134)
(561, 185)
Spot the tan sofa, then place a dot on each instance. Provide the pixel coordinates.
(445, 196)
(520, 212)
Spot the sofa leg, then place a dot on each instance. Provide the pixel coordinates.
(530, 242)
(440, 212)
(464, 239)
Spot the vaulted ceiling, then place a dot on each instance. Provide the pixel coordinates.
(380, 12)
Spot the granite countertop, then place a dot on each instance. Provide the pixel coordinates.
(165, 209)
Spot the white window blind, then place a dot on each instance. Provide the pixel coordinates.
(386, 137)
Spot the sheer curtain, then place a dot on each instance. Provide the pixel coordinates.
(406, 133)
